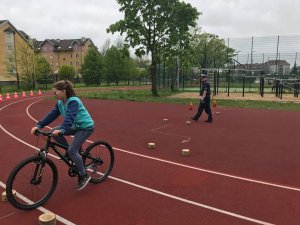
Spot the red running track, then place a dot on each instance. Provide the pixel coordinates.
(243, 168)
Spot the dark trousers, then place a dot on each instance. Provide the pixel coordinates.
(204, 105)
(80, 136)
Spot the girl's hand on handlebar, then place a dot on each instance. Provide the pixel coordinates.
(56, 132)
(33, 130)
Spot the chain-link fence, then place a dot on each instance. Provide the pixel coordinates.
(269, 64)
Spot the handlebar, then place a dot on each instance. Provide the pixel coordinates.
(48, 134)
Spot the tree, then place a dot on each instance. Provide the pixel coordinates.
(150, 24)
(208, 50)
(143, 65)
(131, 70)
(43, 70)
(66, 72)
(91, 69)
(115, 63)
(26, 61)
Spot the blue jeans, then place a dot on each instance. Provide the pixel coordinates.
(80, 136)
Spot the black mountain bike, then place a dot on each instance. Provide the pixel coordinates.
(32, 182)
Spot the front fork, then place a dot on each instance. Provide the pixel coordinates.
(39, 168)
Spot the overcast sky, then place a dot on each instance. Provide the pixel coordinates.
(71, 19)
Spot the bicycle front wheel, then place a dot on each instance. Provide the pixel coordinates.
(34, 181)
(99, 161)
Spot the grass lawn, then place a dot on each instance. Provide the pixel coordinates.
(146, 96)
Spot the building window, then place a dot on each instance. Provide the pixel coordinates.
(77, 55)
(10, 47)
(9, 38)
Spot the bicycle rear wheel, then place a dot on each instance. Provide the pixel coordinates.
(99, 161)
(34, 180)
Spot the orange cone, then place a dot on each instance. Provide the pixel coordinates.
(1, 98)
(214, 103)
(7, 96)
(40, 93)
(190, 106)
(31, 93)
(16, 95)
(23, 94)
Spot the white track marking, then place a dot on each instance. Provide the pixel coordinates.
(8, 215)
(187, 139)
(192, 202)
(42, 209)
(210, 171)
(143, 188)
(192, 167)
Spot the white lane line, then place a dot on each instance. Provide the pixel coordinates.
(8, 215)
(150, 190)
(192, 167)
(155, 130)
(42, 209)
(210, 171)
(193, 202)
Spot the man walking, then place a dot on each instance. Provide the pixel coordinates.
(204, 100)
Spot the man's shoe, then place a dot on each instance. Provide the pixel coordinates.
(82, 182)
(208, 121)
(192, 118)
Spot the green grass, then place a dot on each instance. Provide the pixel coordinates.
(146, 96)
(289, 106)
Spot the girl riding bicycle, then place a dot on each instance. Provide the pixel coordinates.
(77, 122)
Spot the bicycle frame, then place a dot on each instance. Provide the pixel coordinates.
(53, 145)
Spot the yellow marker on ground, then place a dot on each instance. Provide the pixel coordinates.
(47, 219)
(4, 196)
(188, 122)
(151, 145)
(185, 152)
(165, 120)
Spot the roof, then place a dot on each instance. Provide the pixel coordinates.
(11, 28)
(64, 44)
(278, 62)
(36, 43)
(24, 34)
(2, 21)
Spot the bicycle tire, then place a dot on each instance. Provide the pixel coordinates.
(99, 160)
(22, 200)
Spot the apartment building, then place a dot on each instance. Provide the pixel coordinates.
(12, 42)
(281, 67)
(67, 51)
